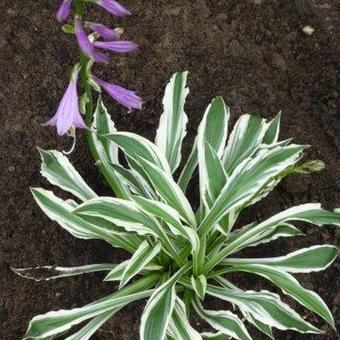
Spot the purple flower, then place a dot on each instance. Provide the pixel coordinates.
(118, 46)
(85, 44)
(113, 7)
(101, 58)
(68, 115)
(64, 10)
(123, 96)
(83, 40)
(105, 32)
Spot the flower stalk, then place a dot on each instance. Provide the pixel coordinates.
(93, 47)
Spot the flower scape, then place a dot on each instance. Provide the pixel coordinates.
(68, 116)
(181, 256)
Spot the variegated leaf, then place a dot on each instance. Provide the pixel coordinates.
(103, 125)
(104, 151)
(171, 217)
(143, 256)
(123, 213)
(265, 307)
(173, 121)
(158, 311)
(138, 185)
(169, 191)
(268, 235)
(46, 273)
(129, 216)
(214, 336)
(58, 170)
(136, 147)
(312, 213)
(291, 287)
(262, 327)
(273, 129)
(199, 284)
(86, 332)
(61, 212)
(224, 321)
(117, 272)
(188, 168)
(304, 260)
(212, 130)
(179, 324)
(214, 126)
(250, 176)
(57, 322)
(212, 174)
(244, 141)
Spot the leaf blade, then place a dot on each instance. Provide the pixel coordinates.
(180, 325)
(306, 260)
(172, 125)
(54, 323)
(58, 170)
(167, 188)
(136, 147)
(250, 177)
(143, 256)
(46, 273)
(199, 285)
(224, 321)
(290, 286)
(244, 140)
(265, 307)
(159, 308)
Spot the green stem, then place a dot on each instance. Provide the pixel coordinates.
(103, 166)
(79, 6)
(84, 61)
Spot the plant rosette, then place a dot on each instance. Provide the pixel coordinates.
(178, 256)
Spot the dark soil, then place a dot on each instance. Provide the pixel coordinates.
(254, 53)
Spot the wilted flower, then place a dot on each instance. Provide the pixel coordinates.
(105, 32)
(64, 10)
(113, 7)
(85, 44)
(68, 115)
(118, 46)
(123, 96)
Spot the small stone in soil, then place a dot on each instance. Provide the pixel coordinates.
(309, 30)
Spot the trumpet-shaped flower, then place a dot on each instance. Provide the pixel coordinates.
(118, 46)
(114, 7)
(106, 33)
(123, 96)
(68, 115)
(85, 44)
(64, 10)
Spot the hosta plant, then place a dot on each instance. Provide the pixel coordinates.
(181, 256)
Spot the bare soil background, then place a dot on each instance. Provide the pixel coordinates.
(253, 53)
